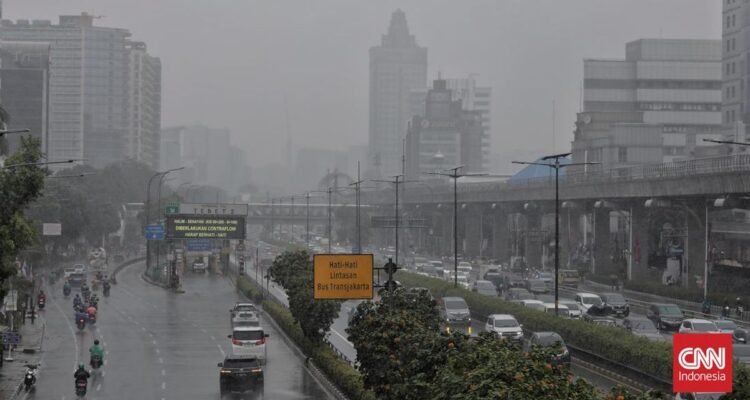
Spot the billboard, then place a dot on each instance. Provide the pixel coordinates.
(342, 276)
(180, 226)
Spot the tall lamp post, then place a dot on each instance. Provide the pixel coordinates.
(556, 165)
(454, 174)
(148, 210)
(397, 180)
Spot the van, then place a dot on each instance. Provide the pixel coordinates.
(249, 342)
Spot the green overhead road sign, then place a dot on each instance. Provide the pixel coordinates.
(172, 209)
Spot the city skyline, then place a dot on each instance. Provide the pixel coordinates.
(508, 58)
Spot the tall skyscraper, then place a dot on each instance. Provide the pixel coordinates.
(397, 66)
(656, 105)
(735, 49)
(479, 99)
(89, 72)
(144, 105)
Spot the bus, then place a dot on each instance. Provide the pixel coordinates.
(569, 277)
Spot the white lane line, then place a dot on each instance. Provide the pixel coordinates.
(163, 372)
(143, 328)
(98, 387)
(161, 360)
(104, 373)
(213, 337)
(204, 330)
(154, 342)
(72, 330)
(342, 337)
(158, 351)
(163, 385)
(223, 354)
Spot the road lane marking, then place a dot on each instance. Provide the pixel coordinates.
(154, 342)
(161, 360)
(223, 354)
(98, 387)
(213, 337)
(342, 337)
(163, 385)
(158, 351)
(104, 373)
(163, 372)
(72, 331)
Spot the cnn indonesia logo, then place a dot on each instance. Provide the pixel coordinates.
(702, 363)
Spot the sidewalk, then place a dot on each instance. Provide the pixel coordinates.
(28, 352)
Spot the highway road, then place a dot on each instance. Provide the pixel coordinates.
(160, 345)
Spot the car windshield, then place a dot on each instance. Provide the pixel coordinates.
(725, 325)
(643, 325)
(248, 335)
(240, 363)
(571, 306)
(590, 300)
(505, 323)
(615, 298)
(670, 311)
(548, 340)
(456, 305)
(245, 307)
(703, 326)
(537, 283)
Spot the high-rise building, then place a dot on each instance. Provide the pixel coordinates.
(397, 66)
(24, 93)
(657, 105)
(475, 98)
(144, 105)
(88, 86)
(445, 136)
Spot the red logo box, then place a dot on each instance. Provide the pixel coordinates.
(702, 362)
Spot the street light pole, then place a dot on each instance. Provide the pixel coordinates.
(453, 174)
(396, 181)
(556, 165)
(307, 220)
(330, 191)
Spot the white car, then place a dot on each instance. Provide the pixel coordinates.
(562, 310)
(199, 265)
(695, 325)
(533, 304)
(79, 268)
(586, 300)
(245, 318)
(574, 310)
(249, 342)
(505, 326)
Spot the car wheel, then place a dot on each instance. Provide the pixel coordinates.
(661, 326)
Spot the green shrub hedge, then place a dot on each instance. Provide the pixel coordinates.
(615, 344)
(341, 374)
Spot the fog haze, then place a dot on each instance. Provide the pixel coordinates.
(244, 64)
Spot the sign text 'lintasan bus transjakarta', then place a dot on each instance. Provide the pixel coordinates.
(343, 276)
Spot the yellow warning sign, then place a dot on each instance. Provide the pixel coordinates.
(343, 276)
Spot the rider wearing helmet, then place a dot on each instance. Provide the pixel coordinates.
(81, 373)
(77, 301)
(97, 350)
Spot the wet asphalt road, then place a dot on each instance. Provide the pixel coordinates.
(160, 345)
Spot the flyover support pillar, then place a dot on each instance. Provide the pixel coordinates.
(533, 240)
(473, 220)
(696, 243)
(602, 262)
(640, 227)
(499, 245)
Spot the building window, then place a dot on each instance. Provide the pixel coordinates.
(734, 20)
(733, 68)
(622, 154)
(728, 21)
(734, 42)
(727, 44)
(727, 68)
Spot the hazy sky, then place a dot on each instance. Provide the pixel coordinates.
(232, 63)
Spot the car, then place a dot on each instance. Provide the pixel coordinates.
(666, 317)
(537, 286)
(545, 298)
(739, 335)
(562, 311)
(244, 306)
(518, 294)
(456, 314)
(239, 375)
(550, 339)
(79, 268)
(617, 303)
(573, 308)
(464, 266)
(493, 275)
(586, 300)
(598, 312)
(533, 304)
(547, 277)
(420, 290)
(245, 318)
(199, 265)
(67, 271)
(643, 327)
(77, 278)
(505, 326)
(696, 325)
(604, 321)
(486, 288)
(249, 342)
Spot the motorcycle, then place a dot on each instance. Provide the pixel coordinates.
(66, 291)
(29, 378)
(81, 323)
(105, 290)
(81, 386)
(92, 319)
(739, 310)
(41, 302)
(725, 312)
(96, 362)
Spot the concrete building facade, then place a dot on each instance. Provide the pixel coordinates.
(445, 136)
(88, 86)
(24, 93)
(657, 105)
(397, 66)
(144, 105)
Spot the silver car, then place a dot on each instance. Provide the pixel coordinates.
(245, 318)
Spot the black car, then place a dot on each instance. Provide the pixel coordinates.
(240, 375)
(666, 317)
(617, 303)
(550, 339)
